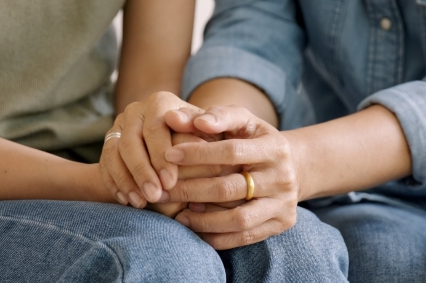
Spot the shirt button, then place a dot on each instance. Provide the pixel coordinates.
(386, 24)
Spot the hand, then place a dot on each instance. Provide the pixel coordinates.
(190, 172)
(133, 166)
(261, 150)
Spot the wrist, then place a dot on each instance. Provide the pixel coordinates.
(299, 155)
(93, 187)
(85, 183)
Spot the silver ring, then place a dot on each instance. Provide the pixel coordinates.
(112, 135)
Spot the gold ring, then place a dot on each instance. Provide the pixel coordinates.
(112, 135)
(250, 185)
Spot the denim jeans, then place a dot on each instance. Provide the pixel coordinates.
(56, 241)
(385, 243)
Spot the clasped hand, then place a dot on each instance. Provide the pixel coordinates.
(206, 174)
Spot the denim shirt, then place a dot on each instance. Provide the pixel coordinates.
(322, 59)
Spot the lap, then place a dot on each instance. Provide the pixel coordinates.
(385, 243)
(46, 241)
(311, 251)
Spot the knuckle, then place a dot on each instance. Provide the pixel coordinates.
(282, 150)
(184, 190)
(152, 127)
(204, 226)
(226, 190)
(124, 144)
(139, 170)
(160, 96)
(247, 237)
(234, 150)
(110, 184)
(244, 220)
(131, 107)
(214, 170)
(107, 152)
(121, 181)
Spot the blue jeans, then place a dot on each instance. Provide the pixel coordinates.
(385, 243)
(50, 241)
(53, 241)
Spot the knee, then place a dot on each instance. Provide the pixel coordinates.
(163, 250)
(317, 244)
(384, 242)
(311, 251)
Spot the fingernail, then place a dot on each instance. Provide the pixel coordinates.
(174, 155)
(164, 196)
(166, 178)
(197, 207)
(150, 190)
(183, 220)
(183, 116)
(135, 199)
(121, 198)
(209, 118)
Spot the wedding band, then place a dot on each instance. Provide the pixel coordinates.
(112, 135)
(250, 185)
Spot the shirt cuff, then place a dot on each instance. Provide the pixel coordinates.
(215, 62)
(408, 102)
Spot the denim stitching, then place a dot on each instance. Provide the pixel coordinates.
(67, 232)
(400, 37)
(332, 40)
(371, 48)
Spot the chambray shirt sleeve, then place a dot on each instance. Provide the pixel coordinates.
(252, 40)
(408, 102)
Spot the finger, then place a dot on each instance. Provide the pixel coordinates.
(119, 182)
(207, 171)
(157, 136)
(211, 207)
(125, 188)
(231, 187)
(167, 209)
(225, 241)
(110, 184)
(263, 149)
(237, 121)
(187, 172)
(178, 138)
(241, 218)
(136, 159)
(181, 120)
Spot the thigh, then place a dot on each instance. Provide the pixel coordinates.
(385, 243)
(311, 251)
(49, 241)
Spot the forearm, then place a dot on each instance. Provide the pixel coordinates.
(351, 153)
(227, 91)
(28, 173)
(156, 44)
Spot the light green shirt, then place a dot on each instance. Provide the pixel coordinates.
(56, 59)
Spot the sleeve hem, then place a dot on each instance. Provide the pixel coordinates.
(407, 101)
(215, 62)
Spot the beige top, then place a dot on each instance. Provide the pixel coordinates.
(56, 59)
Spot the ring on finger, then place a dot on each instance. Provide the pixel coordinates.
(250, 185)
(112, 135)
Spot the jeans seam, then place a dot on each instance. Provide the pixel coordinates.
(400, 36)
(67, 232)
